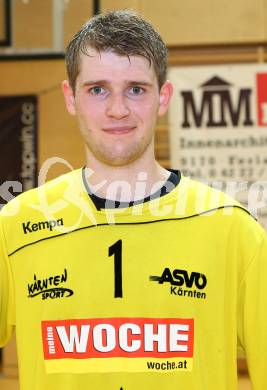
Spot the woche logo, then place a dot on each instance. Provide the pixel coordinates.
(110, 338)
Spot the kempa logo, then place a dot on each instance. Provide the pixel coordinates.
(217, 93)
(29, 227)
(179, 278)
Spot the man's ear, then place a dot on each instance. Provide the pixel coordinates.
(165, 95)
(69, 97)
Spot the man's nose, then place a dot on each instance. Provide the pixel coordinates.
(117, 106)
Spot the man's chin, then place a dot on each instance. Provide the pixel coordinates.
(118, 158)
(119, 162)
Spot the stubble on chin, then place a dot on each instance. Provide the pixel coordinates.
(117, 158)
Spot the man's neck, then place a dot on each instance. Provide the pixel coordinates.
(125, 183)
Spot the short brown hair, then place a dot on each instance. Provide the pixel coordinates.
(125, 33)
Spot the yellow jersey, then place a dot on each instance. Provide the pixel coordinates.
(157, 295)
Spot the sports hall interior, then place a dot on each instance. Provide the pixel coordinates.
(34, 33)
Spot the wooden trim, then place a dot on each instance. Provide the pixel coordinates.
(96, 7)
(215, 55)
(31, 56)
(7, 11)
(220, 46)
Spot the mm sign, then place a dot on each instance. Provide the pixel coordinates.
(218, 125)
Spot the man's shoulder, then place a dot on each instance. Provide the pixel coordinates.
(199, 197)
(41, 212)
(41, 196)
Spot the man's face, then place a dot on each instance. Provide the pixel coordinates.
(117, 102)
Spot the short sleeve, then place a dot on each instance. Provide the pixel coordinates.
(6, 293)
(252, 317)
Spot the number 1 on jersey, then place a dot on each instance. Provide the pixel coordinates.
(116, 250)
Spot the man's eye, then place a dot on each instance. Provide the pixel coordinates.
(96, 90)
(135, 90)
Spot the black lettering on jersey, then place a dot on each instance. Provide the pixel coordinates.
(180, 277)
(29, 227)
(50, 287)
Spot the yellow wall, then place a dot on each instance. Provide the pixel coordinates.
(32, 23)
(194, 22)
(75, 16)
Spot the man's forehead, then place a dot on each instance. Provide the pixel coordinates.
(101, 55)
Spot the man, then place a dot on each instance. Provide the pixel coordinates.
(124, 275)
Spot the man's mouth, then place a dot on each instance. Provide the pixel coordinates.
(119, 129)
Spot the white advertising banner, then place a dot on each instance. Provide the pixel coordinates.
(218, 129)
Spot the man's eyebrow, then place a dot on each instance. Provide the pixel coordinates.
(138, 82)
(95, 82)
(106, 82)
